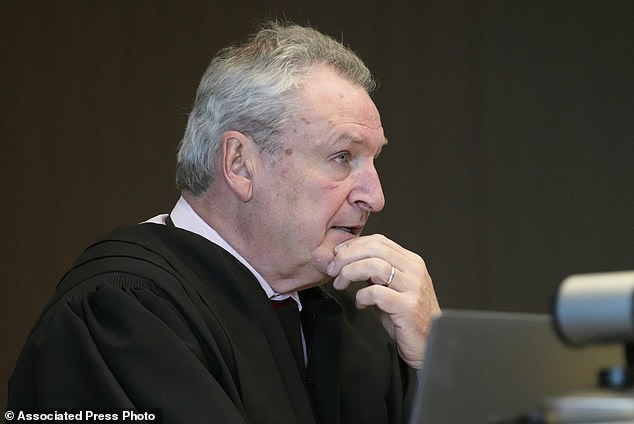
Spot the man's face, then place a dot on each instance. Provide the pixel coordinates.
(319, 190)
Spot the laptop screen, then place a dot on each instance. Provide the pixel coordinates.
(490, 367)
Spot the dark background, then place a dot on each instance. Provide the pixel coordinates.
(511, 128)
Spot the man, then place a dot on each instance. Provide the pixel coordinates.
(183, 312)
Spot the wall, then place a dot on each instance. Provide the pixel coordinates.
(510, 127)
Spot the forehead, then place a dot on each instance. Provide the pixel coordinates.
(339, 109)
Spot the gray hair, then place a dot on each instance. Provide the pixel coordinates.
(251, 88)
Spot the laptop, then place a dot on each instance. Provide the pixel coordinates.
(494, 367)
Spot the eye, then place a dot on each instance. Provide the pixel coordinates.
(342, 157)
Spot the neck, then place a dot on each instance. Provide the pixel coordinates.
(229, 217)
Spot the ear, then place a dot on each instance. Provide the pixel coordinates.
(237, 163)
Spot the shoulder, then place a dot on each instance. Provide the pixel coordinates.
(128, 256)
(166, 261)
(148, 250)
(132, 263)
(130, 274)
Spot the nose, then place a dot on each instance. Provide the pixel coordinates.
(367, 192)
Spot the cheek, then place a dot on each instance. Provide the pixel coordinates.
(309, 199)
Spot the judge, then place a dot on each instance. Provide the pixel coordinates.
(257, 298)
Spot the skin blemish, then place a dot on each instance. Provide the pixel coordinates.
(288, 152)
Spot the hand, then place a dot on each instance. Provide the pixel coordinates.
(407, 304)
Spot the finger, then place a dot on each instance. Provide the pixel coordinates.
(375, 245)
(364, 247)
(373, 269)
(387, 300)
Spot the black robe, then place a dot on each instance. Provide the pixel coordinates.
(153, 316)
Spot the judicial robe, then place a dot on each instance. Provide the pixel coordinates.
(153, 316)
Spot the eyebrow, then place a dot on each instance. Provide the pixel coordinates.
(357, 140)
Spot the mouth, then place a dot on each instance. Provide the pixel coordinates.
(355, 230)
